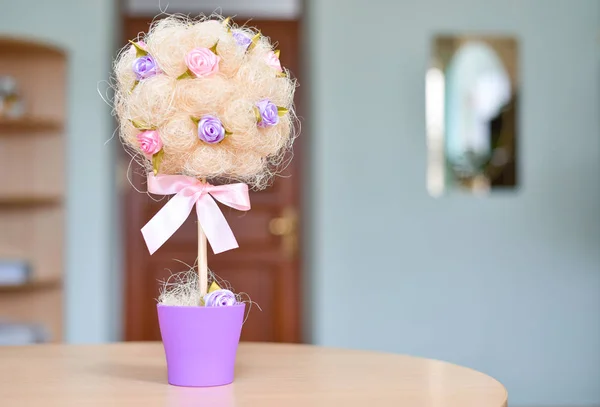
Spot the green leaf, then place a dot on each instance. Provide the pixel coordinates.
(277, 53)
(195, 120)
(139, 125)
(142, 126)
(227, 133)
(282, 111)
(257, 114)
(213, 287)
(254, 41)
(134, 85)
(227, 24)
(139, 51)
(214, 48)
(186, 75)
(157, 160)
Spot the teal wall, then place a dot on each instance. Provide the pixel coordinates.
(86, 29)
(509, 285)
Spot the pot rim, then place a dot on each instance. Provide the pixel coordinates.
(237, 305)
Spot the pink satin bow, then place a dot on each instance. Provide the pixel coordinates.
(189, 192)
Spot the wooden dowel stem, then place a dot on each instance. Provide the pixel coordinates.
(202, 261)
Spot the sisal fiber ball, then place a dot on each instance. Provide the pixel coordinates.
(207, 99)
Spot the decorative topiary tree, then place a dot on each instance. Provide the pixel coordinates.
(207, 109)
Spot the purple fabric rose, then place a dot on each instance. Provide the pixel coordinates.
(145, 67)
(268, 113)
(220, 298)
(211, 130)
(242, 39)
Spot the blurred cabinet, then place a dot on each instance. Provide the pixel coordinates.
(32, 185)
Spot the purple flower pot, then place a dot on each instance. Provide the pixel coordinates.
(200, 343)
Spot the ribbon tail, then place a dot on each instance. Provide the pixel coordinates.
(215, 226)
(233, 195)
(167, 220)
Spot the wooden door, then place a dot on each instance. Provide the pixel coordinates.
(266, 266)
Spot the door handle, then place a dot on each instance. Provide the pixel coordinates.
(286, 226)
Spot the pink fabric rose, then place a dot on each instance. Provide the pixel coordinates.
(202, 62)
(150, 142)
(273, 61)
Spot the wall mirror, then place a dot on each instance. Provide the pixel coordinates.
(472, 95)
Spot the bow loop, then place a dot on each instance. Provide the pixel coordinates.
(189, 192)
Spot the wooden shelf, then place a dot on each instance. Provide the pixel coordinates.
(31, 286)
(29, 200)
(32, 196)
(28, 124)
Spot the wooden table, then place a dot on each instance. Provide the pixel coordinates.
(134, 374)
